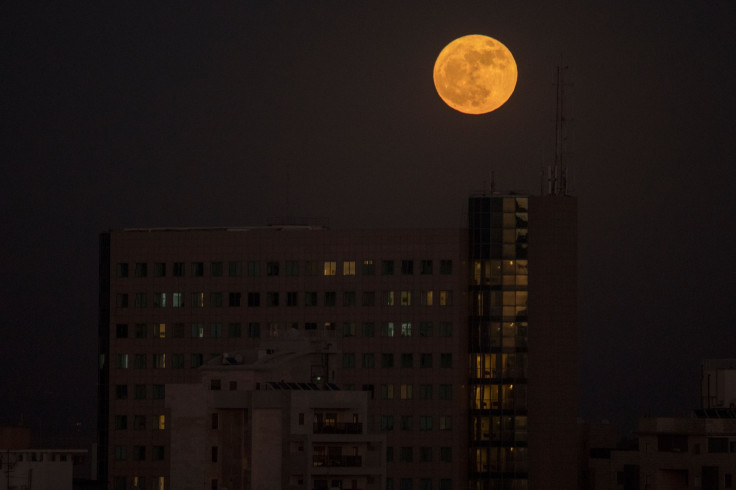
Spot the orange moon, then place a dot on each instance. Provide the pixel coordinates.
(475, 74)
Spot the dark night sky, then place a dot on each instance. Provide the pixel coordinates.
(124, 114)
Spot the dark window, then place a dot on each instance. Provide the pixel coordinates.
(673, 443)
(445, 266)
(233, 269)
(426, 267)
(159, 269)
(717, 444)
(330, 298)
(272, 268)
(121, 392)
(179, 269)
(407, 267)
(141, 269)
(122, 270)
(121, 331)
(387, 267)
(197, 269)
(234, 330)
(234, 299)
(214, 454)
(292, 298)
(254, 299)
(216, 269)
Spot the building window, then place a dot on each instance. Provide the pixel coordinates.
(139, 454)
(445, 423)
(387, 392)
(157, 453)
(330, 298)
(215, 384)
(406, 329)
(160, 422)
(387, 422)
(292, 268)
(254, 299)
(121, 331)
(445, 329)
(445, 392)
(139, 361)
(369, 329)
(388, 298)
(406, 422)
(233, 299)
(234, 330)
(197, 360)
(141, 300)
(446, 454)
(121, 300)
(310, 298)
(425, 360)
(159, 330)
(407, 360)
(254, 330)
(311, 268)
(369, 298)
(159, 300)
(446, 360)
(348, 329)
(272, 298)
(233, 269)
(178, 269)
(406, 454)
(216, 269)
(216, 330)
(445, 266)
(216, 299)
(348, 360)
(214, 454)
(425, 392)
(445, 298)
(405, 298)
(717, 444)
(140, 392)
(389, 454)
(292, 298)
(158, 392)
(121, 392)
(197, 330)
(387, 329)
(368, 268)
(348, 268)
(177, 361)
(425, 329)
(425, 454)
(141, 269)
(407, 391)
(139, 422)
(387, 267)
(121, 361)
(407, 267)
(159, 361)
(197, 269)
(121, 270)
(425, 267)
(272, 268)
(141, 331)
(330, 268)
(121, 422)
(120, 453)
(254, 268)
(368, 360)
(348, 298)
(198, 300)
(426, 298)
(425, 422)
(387, 360)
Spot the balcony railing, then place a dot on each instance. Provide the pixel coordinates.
(347, 461)
(341, 428)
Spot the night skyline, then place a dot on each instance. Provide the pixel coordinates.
(186, 115)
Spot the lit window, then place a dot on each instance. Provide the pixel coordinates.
(407, 391)
(198, 300)
(405, 298)
(330, 268)
(159, 361)
(387, 329)
(121, 361)
(406, 329)
(388, 298)
(197, 330)
(348, 329)
(368, 268)
(159, 330)
(387, 392)
(445, 298)
(426, 298)
(348, 268)
(159, 300)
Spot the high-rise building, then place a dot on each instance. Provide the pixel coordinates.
(464, 339)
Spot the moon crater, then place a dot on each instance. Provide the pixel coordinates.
(475, 74)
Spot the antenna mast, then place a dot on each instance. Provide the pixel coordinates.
(556, 178)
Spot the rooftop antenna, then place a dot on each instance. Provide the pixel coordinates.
(556, 174)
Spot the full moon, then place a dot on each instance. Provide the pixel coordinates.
(475, 74)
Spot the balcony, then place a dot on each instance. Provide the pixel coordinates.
(337, 461)
(338, 428)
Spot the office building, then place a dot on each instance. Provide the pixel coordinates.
(463, 340)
